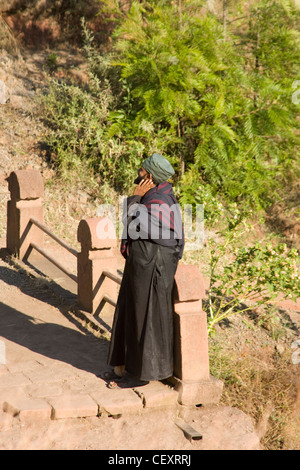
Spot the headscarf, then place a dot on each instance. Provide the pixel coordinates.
(159, 167)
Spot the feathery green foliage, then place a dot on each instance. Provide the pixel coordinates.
(217, 105)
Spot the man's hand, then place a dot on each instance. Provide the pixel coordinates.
(144, 187)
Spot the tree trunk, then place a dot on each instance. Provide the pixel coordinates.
(256, 66)
(181, 158)
(224, 18)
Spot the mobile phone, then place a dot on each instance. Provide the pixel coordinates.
(141, 178)
(138, 179)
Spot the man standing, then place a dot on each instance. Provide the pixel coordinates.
(142, 333)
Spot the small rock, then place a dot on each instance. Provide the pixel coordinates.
(279, 347)
(3, 94)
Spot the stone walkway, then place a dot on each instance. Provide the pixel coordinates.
(50, 366)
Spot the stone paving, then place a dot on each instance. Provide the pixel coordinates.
(49, 369)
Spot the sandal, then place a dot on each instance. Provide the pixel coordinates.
(109, 375)
(113, 385)
(126, 382)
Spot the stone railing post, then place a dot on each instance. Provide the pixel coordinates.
(26, 191)
(191, 359)
(98, 241)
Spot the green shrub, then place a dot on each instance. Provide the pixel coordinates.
(242, 277)
(215, 106)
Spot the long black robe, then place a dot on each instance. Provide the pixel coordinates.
(142, 331)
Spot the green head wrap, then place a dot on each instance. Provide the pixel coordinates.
(159, 167)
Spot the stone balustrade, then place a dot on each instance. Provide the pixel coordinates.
(98, 242)
(26, 200)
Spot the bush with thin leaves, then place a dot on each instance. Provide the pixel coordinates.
(172, 82)
(244, 276)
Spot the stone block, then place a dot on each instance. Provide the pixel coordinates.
(84, 383)
(118, 402)
(26, 191)
(44, 390)
(27, 409)
(23, 366)
(13, 380)
(95, 233)
(7, 393)
(72, 406)
(189, 284)
(203, 392)
(191, 360)
(92, 284)
(25, 184)
(20, 232)
(157, 395)
(50, 374)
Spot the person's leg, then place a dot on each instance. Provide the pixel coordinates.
(120, 370)
(116, 354)
(149, 354)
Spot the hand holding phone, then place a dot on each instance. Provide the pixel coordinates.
(144, 186)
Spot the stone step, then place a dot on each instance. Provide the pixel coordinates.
(32, 391)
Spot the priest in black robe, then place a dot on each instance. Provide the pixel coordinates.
(142, 333)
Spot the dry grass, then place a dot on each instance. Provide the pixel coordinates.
(258, 380)
(67, 201)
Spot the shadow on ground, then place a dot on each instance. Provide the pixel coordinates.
(47, 337)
